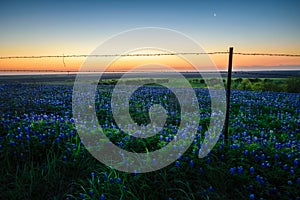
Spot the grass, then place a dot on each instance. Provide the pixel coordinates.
(42, 156)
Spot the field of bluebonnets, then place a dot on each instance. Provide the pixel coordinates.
(42, 157)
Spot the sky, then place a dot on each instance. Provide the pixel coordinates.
(78, 27)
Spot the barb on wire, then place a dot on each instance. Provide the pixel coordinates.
(63, 60)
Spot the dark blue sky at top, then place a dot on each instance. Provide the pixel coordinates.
(249, 23)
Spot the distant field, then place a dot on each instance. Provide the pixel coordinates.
(71, 77)
(278, 81)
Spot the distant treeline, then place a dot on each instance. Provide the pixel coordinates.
(291, 85)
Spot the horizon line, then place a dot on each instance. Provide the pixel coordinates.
(120, 71)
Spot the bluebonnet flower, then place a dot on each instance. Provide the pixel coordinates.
(192, 163)
(111, 180)
(81, 195)
(27, 137)
(240, 169)
(12, 143)
(102, 197)
(251, 196)
(260, 179)
(161, 137)
(208, 160)
(105, 175)
(92, 174)
(232, 170)
(201, 170)
(118, 180)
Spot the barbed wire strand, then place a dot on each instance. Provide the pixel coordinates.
(148, 54)
(267, 54)
(109, 55)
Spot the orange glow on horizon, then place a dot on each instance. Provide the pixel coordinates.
(126, 63)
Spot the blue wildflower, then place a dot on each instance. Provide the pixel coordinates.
(232, 170)
(102, 197)
(240, 169)
(105, 175)
(192, 163)
(81, 195)
(201, 170)
(119, 180)
(208, 160)
(92, 174)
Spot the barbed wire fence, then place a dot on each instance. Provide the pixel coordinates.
(137, 55)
